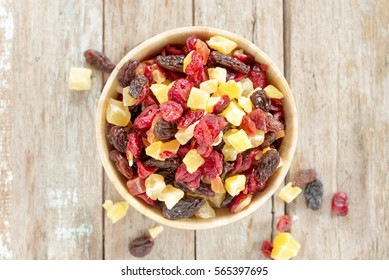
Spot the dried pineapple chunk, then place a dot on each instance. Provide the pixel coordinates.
(217, 185)
(240, 141)
(206, 212)
(235, 184)
(273, 92)
(155, 231)
(233, 113)
(158, 76)
(184, 135)
(154, 150)
(115, 211)
(128, 100)
(229, 153)
(170, 195)
(217, 199)
(246, 104)
(171, 146)
(154, 184)
(219, 74)
(160, 91)
(211, 103)
(257, 139)
(231, 88)
(228, 133)
(117, 113)
(288, 193)
(187, 60)
(285, 246)
(107, 205)
(247, 86)
(80, 78)
(209, 86)
(193, 161)
(197, 99)
(221, 44)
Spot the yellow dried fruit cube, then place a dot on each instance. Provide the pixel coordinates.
(117, 113)
(219, 74)
(115, 211)
(229, 153)
(170, 195)
(221, 44)
(187, 60)
(158, 76)
(217, 185)
(197, 99)
(231, 88)
(285, 246)
(184, 135)
(171, 146)
(288, 193)
(211, 103)
(193, 161)
(154, 150)
(233, 113)
(218, 139)
(160, 91)
(247, 86)
(257, 139)
(209, 86)
(154, 184)
(119, 89)
(228, 133)
(273, 92)
(80, 78)
(246, 104)
(235, 184)
(240, 141)
(205, 212)
(128, 100)
(155, 231)
(217, 199)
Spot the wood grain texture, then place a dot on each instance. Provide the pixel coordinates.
(54, 197)
(339, 74)
(242, 240)
(122, 32)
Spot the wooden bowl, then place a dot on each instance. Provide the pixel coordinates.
(151, 47)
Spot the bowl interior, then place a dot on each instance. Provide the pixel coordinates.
(148, 49)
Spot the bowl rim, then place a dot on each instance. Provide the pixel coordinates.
(287, 149)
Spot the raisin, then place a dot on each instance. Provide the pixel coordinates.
(167, 175)
(270, 137)
(135, 112)
(227, 201)
(222, 104)
(137, 86)
(99, 60)
(171, 111)
(190, 117)
(267, 248)
(127, 72)
(169, 165)
(257, 75)
(304, 177)
(117, 136)
(203, 189)
(164, 130)
(273, 125)
(267, 164)
(339, 204)
(141, 246)
(227, 167)
(284, 223)
(121, 164)
(260, 100)
(186, 207)
(229, 62)
(314, 194)
(171, 62)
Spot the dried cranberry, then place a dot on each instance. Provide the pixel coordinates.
(126, 73)
(259, 118)
(267, 248)
(222, 104)
(267, 164)
(183, 150)
(236, 76)
(204, 150)
(150, 100)
(141, 246)
(144, 120)
(284, 223)
(277, 104)
(147, 199)
(149, 71)
(145, 171)
(171, 111)
(248, 126)
(191, 179)
(189, 118)
(121, 164)
(279, 115)
(135, 144)
(260, 100)
(239, 202)
(99, 60)
(304, 177)
(174, 49)
(164, 130)
(167, 154)
(180, 90)
(195, 69)
(136, 186)
(258, 76)
(191, 42)
(171, 62)
(117, 136)
(213, 165)
(339, 204)
(208, 129)
(252, 183)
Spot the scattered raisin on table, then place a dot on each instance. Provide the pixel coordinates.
(171, 62)
(267, 164)
(229, 62)
(99, 60)
(127, 72)
(164, 130)
(141, 246)
(186, 207)
(304, 177)
(314, 194)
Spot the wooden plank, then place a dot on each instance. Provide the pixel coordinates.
(339, 74)
(128, 23)
(51, 186)
(242, 240)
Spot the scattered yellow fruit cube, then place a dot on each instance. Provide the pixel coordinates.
(184, 135)
(80, 78)
(170, 195)
(155, 231)
(160, 91)
(205, 212)
(221, 44)
(257, 139)
(285, 246)
(107, 205)
(117, 113)
(193, 161)
(115, 211)
(171, 146)
(229, 153)
(273, 92)
(197, 99)
(187, 60)
(217, 199)
(154, 150)
(231, 88)
(246, 104)
(219, 74)
(128, 100)
(211, 103)
(235, 184)
(154, 184)
(233, 113)
(158, 76)
(209, 86)
(240, 141)
(247, 86)
(288, 193)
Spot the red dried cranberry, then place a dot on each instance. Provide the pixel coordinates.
(202, 48)
(150, 100)
(248, 126)
(267, 248)
(204, 151)
(145, 171)
(183, 150)
(135, 144)
(167, 154)
(258, 76)
(136, 186)
(245, 58)
(191, 42)
(195, 69)
(174, 49)
(222, 104)
(239, 202)
(276, 104)
(208, 129)
(339, 203)
(259, 118)
(147, 199)
(284, 223)
(190, 117)
(171, 111)
(278, 115)
(144, 120)
(191, 179)
(213, 165)
(180, 90)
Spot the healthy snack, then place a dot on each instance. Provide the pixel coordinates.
(285, 246)
(155, 231)
(289, 192)
(339, 204)
(314, 194)
(141, 246)
(80, 78)
(194, 128)
(284, 224)
(115, 211)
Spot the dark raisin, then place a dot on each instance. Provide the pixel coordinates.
(273, 125)
(171, 62)
(135, 112)
(170, 164)
(270, 137)
(99, 60)
(121, 164)
(203, 189)
(267, 164)
(314, 194)
(186, 207)
(169, 176)
(127, 72)
(260, 100)
(164, 130)
(227, 167)
(117, 136)
(229, 62)
(227, 201)
(136, 86)
(141, 246)
(304, 177)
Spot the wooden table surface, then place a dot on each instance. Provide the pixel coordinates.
(335, 55)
